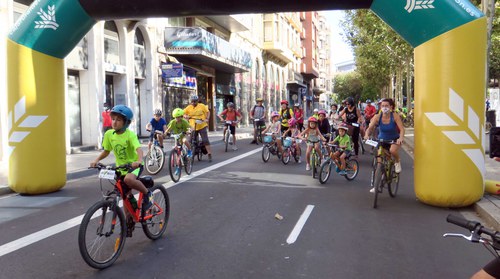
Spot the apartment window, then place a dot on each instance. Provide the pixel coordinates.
(139, 55)
(111, 43)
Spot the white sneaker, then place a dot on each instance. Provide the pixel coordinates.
(235, 148)
(308, 167)
(372, 190)
(300, 161)
(397, 167)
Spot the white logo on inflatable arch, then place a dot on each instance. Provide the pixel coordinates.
(442, 119)
(412, 5)
(48, 18)
(31, 121)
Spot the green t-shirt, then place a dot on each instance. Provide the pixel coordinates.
(123, 145)
(344, 141)
(178, 127)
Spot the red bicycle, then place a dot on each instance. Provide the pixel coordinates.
(103, 229)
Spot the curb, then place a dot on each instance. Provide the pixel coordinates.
(488, 211)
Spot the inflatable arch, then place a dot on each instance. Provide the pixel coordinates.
(449, 37)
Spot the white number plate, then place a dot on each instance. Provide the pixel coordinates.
(372, 143)
(107, 174)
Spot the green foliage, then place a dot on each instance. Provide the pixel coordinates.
(494, 54)
(347, 85)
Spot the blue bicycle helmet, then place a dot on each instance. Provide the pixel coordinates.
(124, 111)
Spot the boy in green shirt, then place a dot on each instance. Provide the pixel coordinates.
(345, 144)
(179, 125)
(127, 149)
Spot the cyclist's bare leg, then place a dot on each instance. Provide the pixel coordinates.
(395, 152)
(342, 161)
(209, 149)
(481, 274)
(308, 153)
(234, 139)
(318, 149)
(160, 140)
(186, 142)
(132, 181)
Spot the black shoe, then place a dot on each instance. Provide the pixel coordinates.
(253, 142)
(209, 157)
(130, 226)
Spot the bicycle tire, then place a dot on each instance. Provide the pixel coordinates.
(96, 227)
(226, 138)
(266, 153)
(325, 171)
(394, 185)
(259, 133)
(378, 182)
(313, 165)
(188, 164)
(285, 157)
(296, 154)
(173, 164)
(155, 159)
(352, 169)
(155, 227)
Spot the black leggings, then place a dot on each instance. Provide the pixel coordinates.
(355, 139)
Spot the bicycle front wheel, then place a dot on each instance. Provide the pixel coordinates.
(285, 157)
(394, 185)
(313, 165)
(155, 223)
(226, 138)
(351, 169)
(154, 160)
(266, 153)
(378, 182)
(325, 171)
(188, 164)
(174, 165)
(102, 234)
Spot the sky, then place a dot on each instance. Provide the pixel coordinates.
(341, 51)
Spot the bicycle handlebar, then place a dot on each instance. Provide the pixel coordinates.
(473, 226)
(101, 166)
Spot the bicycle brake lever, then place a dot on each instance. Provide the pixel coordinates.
(470, 238)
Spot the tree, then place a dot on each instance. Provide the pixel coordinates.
(347, 85)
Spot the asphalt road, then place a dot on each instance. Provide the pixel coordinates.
(223, 225)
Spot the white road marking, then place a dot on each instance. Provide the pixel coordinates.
(300, 224)
(50, 231)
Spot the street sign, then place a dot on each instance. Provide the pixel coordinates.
(173, 70)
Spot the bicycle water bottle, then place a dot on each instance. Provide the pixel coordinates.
(132, 201)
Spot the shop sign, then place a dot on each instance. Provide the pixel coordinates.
(173, 70)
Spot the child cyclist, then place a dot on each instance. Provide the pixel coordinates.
(313, 136)
(157, 123)
(345, 146)
(127, 150)
(231, 115)
(275, 128)
(294, 131)
(180, 125)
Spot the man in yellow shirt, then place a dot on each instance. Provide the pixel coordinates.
(197, 111)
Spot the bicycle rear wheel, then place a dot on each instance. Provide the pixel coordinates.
(378, 182)
(394, 185)
(351, 168)
(174, 165)
(155, 226)
(155, 160)
(325, 171)
(102, 234)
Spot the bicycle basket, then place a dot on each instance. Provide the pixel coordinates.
(268, 139)
(287, 142)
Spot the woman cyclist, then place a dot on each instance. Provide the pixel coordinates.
(353, 116)
(313, 136)
(390, 127)
(286, 113)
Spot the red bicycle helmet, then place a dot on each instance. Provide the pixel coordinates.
(312, 119)
(322, 111)
(284, 102)
(292, 122)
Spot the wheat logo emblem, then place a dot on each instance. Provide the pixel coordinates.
(30, 121)
(462, 139)
(412, 5)
(48, 18)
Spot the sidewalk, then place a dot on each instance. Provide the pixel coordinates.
(77, 163)
(77, 166)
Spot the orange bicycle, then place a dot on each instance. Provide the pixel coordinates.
(103, 229)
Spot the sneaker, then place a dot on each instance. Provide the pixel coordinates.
(235, 148)
(190, 153)
(308, 167)
(148, 201)
(253, 142)
(372, 190)
(397, 167)
(300, 161)
(177, 170)
(342, 172)
(209, 157)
